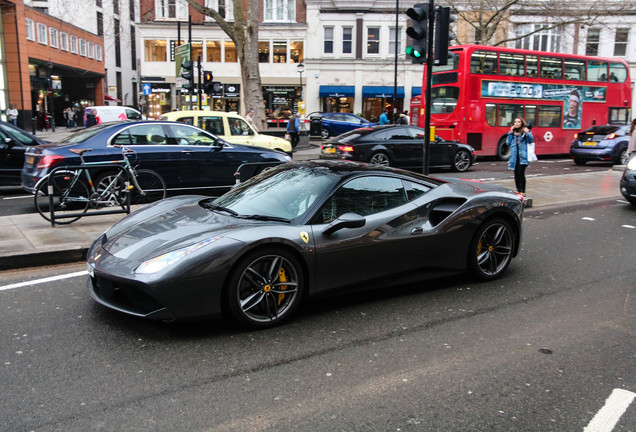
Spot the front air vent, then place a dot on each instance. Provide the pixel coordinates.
(443, 209)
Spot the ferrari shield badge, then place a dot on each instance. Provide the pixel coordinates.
(304, 237)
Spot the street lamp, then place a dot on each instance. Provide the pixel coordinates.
(301, 68)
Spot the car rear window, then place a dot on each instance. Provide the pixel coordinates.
(603, 130)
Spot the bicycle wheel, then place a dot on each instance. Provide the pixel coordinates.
(153, 188)
(69, 197)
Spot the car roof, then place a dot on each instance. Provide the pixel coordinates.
(201, 112)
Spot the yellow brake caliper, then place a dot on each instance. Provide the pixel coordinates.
(283, 278)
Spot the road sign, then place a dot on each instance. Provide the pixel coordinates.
(147, 89)
(181, 55)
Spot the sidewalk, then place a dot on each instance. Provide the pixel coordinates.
(29, 240)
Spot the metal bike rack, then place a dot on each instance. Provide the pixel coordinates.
(75, 168)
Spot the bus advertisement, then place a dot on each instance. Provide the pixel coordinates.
(477, 96)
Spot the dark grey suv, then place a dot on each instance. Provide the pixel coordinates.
(607, 143)
(13, 143)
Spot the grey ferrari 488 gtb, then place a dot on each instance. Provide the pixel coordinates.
(299, 230)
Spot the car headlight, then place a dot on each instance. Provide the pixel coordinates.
(631, 165)
(159, 263)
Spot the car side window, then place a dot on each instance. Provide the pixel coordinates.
(416, 133)
(186, 120)
(147, 134)
(415, 190)
(133, 115)
(185, 135)
(123, 138)
(399, 134)
(212, 124)
(239, 126)
(364, 196)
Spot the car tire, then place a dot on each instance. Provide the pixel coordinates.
(631, 200)
(380, 158)
(324, 134)
(265, 289)
(118, 194)
(461, 161)
(623, 157)
(503, 149)
(491, 250)
(579, 162)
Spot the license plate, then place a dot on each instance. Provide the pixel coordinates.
(589, 143)
(329, 150)
(90, 270)
(29, 160)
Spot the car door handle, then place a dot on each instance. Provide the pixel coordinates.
(418, 230)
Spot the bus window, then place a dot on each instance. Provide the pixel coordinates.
(532, 66)
(511, 64)
(444, 99)
(618, 72)
(551, 67)
(484, 62)
(597, 71)
(549, 116)
(453, 63)
(531, 114)
(620, 115)
(508, 113)
(491, 114)
(574, 69)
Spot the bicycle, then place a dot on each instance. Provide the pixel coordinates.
(112, 188)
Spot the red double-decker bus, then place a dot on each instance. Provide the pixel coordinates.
(476, 97)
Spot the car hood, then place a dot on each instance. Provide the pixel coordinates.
(165, 226)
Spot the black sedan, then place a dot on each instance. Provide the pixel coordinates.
(13, 143)
(628, 181)
(296, 230)
(185, 156)
(399, 146)
(606, 143)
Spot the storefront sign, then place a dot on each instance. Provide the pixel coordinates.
(232, 90)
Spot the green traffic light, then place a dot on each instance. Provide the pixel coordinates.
(413, 52)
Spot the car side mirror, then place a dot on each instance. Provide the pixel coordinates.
(218, 143)
(8, 142)
(347, 220)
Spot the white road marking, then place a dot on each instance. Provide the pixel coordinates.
(18, 197)
(615, 406)
(588, 218)
(628, 226)
(44, 280)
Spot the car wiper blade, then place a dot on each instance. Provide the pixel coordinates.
(211, 206)
(265, 218)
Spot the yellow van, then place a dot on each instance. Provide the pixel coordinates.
(230, 126)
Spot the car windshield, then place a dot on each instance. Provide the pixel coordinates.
(83, 135)
(284, 194)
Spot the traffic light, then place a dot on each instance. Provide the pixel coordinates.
(443, 35)
(188, 74)
(418, 32)
(207, 81)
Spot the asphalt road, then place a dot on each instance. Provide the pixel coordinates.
(13, 200)
(542, 349)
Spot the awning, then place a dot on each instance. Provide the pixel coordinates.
(416, 91)
(337, 91)
(381, 92)
(110, 98)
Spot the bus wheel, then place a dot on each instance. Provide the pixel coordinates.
(503, 149)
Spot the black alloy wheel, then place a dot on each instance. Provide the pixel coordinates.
(461, 161)
(491, 249)
(380, 158)
(265, 289)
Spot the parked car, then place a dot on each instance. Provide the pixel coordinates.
(399, 146)
(230, 126)
(13, 143)
(108, 113)
(299, 230)
(628, 181)
(607, 143)
(185, 156)
(338, 123)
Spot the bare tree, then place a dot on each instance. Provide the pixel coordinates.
(490, 19)
(244, 33)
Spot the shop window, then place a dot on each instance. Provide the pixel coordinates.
(213, 51)
(574, 69)
(263, 52)
(549, 116)
(296, 51)
(280, 52)
(155, 50)
(231, 55)
(197, 50)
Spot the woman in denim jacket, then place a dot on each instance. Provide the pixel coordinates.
(517, 140)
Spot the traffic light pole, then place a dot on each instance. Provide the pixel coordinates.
(430, 58)
(199, 75)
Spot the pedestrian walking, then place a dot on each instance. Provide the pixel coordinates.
(404, 118)
(249, 117)
(384, 118)
(12, 115)
(517, 140)
(631, 148)
(293, 125)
